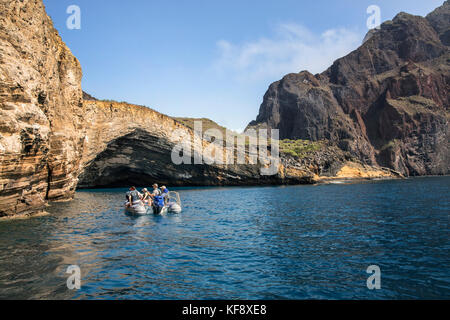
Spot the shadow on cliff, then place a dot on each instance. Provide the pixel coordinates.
(138, 158)
(142, 159)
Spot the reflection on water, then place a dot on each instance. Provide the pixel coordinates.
(238, 243)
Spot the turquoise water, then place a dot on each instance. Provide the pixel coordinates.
(300, 242)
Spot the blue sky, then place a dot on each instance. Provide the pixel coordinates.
(209, 58)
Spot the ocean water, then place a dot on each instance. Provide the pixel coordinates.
(297, 242)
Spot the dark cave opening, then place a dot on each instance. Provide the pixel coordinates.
(138, 158)
(142, 159)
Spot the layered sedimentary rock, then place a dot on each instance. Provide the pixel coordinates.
(132, 145)
(41, 111)
(386, 103)
(128, 144)
(52, 141)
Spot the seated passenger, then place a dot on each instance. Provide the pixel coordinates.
(133, 196)
(158, 204)
(156, 191)
(165, 194)
(146, 197)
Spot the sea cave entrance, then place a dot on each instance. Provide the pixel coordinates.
(140, 159)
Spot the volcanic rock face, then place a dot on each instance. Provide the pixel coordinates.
(50, 138)
(132, 145)
(386, 103)
(41, 132)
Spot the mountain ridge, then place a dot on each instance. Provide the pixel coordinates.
(55, 138)
(367, 102)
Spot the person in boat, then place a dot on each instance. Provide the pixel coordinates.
(146, 196)
(158, 200)
(133, 196)
(165, 194)
(156, 192)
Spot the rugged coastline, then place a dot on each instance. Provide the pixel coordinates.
(54, 138)
(386, 103)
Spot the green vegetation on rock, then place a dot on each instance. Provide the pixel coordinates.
(390, 145)
(414, 104)
(300, 148)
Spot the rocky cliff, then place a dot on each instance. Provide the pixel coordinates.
(55, 138)
(386, 103)
(127, 144)
(132, 145)
(41, 110)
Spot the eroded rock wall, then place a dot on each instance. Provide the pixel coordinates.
(128, 144)
(51, 141)
(386, 102)
(41, 111)
(132, 145)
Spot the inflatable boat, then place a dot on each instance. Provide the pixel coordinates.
(173, 202)
(137, 209)
(171, 205)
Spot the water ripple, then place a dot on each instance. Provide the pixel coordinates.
(305, 242)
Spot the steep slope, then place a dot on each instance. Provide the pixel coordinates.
(386, 102)
(440, 20)
(41, 111)
(132, 145)
(53, 141)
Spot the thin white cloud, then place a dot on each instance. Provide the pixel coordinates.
(292, 48)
